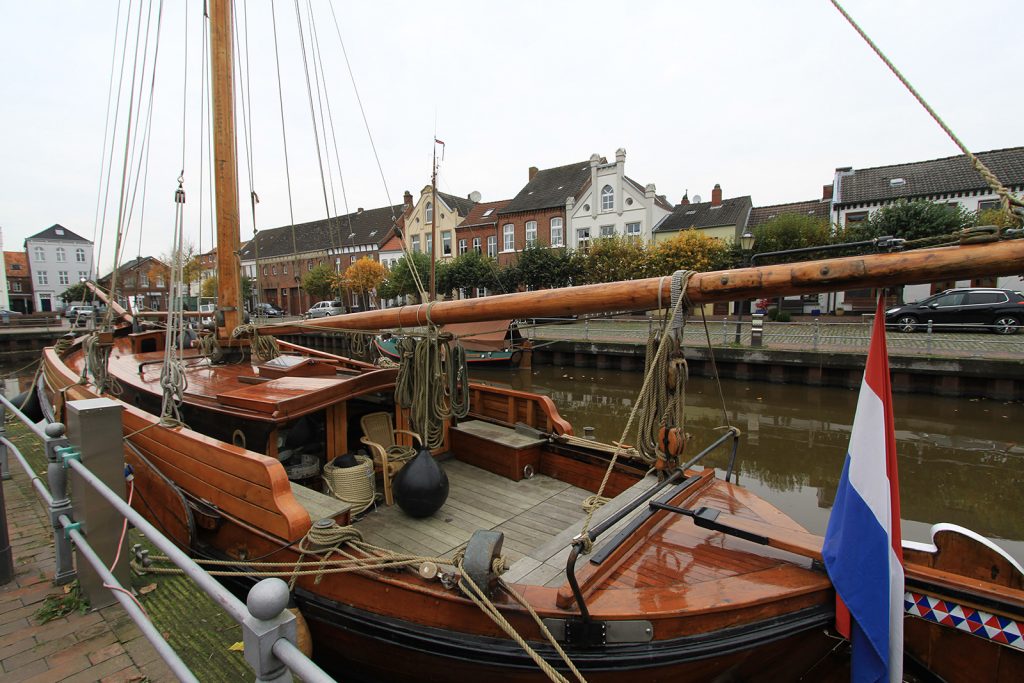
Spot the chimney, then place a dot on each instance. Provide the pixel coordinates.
(686, 198)
(408, 199)
(359, 210)
(826, 192)
(716, 195)
(532, 172)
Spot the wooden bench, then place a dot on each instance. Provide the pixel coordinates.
(496, 448)
(320, 506)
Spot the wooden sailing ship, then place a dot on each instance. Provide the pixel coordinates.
(690, 577)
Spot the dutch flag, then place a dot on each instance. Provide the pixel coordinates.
(862, 549)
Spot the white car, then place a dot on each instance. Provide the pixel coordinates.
(325, 308)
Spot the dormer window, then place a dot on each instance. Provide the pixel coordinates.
(429, 213)
(607, 198)
(897, 182)
(488, 212)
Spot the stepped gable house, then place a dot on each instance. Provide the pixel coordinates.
(611, 204)
(451, 211)
(724, 219)
(537, 213)
(58, 258)
(278, 258)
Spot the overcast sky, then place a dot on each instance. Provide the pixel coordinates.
(766, 98)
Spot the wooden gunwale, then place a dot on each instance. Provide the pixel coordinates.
(809, 277)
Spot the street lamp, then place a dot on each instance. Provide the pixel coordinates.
(747, 247)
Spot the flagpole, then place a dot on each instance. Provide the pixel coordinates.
(433, 222)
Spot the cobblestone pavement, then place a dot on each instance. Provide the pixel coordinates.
(101, 645)
(834, 335)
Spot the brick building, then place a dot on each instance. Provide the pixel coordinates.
(144, 282)
(19, 281)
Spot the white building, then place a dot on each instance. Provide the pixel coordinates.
(950, 180)
(58, 259)
(613, 204)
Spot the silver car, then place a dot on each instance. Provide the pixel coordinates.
(325, 308)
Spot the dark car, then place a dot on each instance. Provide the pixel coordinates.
(1000, 310)
(267, 311)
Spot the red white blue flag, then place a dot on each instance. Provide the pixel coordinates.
(862, 550)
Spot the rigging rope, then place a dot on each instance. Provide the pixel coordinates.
(173, 380)
(432, 383)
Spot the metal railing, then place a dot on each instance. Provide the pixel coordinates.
(268, 628)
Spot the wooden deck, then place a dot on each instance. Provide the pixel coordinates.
(530, 513)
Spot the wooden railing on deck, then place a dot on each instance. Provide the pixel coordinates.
(508, 406)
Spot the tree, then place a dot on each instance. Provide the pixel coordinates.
(208, 288)
(998, 218)
(400, 281)
(541, 267)
(911, 221)
(363, 277)
(76, 292)
(792, 231)
(689, 250)
(320, 282)
(188, 260)
(611, 259)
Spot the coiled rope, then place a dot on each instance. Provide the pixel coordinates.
(263, 346)
(97, 355)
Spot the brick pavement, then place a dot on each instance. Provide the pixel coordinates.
(101, 645)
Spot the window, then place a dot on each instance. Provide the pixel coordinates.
(80, 255)
(62, 255)
(264, 271)
(476, 244)
(309, 265)
(284, 269)
(607, 231)
(62, 277)
(160, 282)
(854, 218)
(429, 213)
(463, 248)
(633, 231)
(446, 243)
(583, 239)
(273, 270)
(143, 280)
(488, 212)
(509, 233)
(83, 275)
(531, 233)
(38, 254)
(15, 286)
(607, 198)
(557, 238)
(987, 204)
(415, 243)
(430, 245)
(986, 298)
(351, 260)
(15, 266)
(41, 278)
(952, 299)
(492, 245)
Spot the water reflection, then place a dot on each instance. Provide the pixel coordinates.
(960, 460)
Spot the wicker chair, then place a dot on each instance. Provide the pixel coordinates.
(379, 434)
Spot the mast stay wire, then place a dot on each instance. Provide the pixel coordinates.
(1006, 198)
(106, 130)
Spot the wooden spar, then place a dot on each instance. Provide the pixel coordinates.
(229, 298)
(102, 296)
(808, 277)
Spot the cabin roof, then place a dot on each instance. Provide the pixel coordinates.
(58, 232)
(932, 177)
(550, 188)
(370, 226)
(732, 211)
(817, 208)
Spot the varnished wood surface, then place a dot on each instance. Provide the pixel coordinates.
(809, 277)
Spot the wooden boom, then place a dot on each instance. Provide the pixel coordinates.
(808, 277)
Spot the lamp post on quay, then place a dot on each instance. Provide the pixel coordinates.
(747, 247)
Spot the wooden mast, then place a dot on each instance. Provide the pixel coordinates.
(229, 297)
(809, 277)
(433, 224)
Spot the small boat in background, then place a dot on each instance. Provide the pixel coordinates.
(491, 343)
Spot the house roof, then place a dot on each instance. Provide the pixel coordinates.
(760, 215)
(133, 264)
(936, 176)
(19, 258)
(550, 188)
(462, 205)
(57, 232)
(659, 199)
(732, 211)
(393, 244)
(371, 226)
(476, 217)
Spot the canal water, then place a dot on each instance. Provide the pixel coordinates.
(960, 460)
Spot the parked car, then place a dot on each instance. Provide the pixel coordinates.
(325, 308)
(82, 317)
(267, 311)
(1000, 310)
(6, 315)
(208, 313)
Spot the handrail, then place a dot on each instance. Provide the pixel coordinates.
(271, 638)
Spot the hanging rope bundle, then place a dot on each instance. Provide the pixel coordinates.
(433, 383)
(97, 355)
(264, 347)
